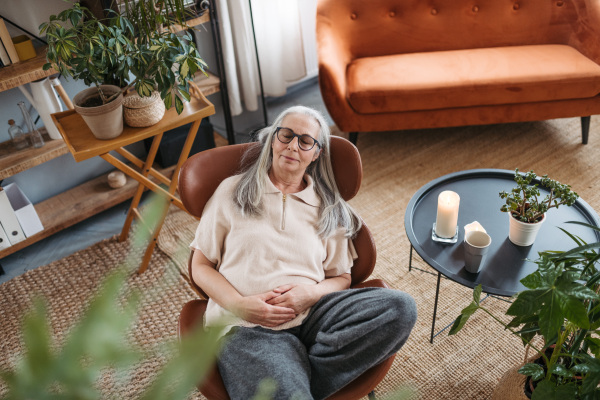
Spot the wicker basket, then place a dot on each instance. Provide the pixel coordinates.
(511, 386)
(143, 111)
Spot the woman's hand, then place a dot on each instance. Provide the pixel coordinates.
(255, 309)
(297, 297)
(301, 297)
(259, 310)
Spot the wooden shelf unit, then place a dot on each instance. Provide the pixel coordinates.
(75, 205)
(90, 198)
(14, 75)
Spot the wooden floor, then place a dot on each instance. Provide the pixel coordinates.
(220, 140)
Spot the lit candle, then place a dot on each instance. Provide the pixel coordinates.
(447, 214)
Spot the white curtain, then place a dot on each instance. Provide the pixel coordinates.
(279, 40)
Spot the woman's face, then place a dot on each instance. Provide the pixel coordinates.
(289, 158)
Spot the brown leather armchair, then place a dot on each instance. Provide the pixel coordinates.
(198, 179)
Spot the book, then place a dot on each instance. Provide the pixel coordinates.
(4, 243)
(24, 210)
(4, 55)
(9, 221)
(7, 42)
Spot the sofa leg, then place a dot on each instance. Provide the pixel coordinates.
(353, 136)
(585, 129)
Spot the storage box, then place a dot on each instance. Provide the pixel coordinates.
(24, 47)
(172, 143)
(24, 210)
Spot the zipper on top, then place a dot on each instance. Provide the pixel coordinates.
(283, 214)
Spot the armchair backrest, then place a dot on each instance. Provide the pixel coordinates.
(202, 173)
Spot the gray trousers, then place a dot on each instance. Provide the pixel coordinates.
(345, 333)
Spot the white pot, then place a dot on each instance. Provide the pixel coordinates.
(523, 233)
(105, 121)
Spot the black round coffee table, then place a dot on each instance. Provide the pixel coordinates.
(506, 264)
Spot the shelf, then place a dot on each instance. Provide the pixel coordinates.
(208, 84)
(23, 72)
(75, 205)
(13, 161)
(191, 22)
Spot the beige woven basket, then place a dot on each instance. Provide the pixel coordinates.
(512, 384)
(143, 111)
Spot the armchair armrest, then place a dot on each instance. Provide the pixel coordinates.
(586, 29)
(334, 57)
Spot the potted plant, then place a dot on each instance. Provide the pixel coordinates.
(561, 305)
(525, 208)
(136, 49)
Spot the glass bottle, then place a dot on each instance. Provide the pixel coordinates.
(34, 135)
(19, 139)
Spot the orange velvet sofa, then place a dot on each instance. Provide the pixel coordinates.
(409, 64)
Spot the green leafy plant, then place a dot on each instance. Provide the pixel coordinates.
(561, 305)
(524, 203)
(135, 49)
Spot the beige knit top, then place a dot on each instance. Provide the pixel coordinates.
(257, 255)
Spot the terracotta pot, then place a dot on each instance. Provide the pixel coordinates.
(105, 121)
(523, 233)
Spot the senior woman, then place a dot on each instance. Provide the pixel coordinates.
(274, 253)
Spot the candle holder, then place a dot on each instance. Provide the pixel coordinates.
(440, 239)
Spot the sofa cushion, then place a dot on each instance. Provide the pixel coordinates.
(463, 78)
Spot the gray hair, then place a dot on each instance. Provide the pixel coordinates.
(334, 211)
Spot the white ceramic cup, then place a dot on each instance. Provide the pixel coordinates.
(477, 244)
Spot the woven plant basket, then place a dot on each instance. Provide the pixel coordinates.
(143, 111)
(511, 386)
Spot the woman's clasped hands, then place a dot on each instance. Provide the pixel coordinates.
(277, 306)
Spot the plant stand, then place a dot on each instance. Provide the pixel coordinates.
(83, 145)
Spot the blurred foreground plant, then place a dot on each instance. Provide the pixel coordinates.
(99, 343)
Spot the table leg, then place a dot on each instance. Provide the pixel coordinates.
(437, 293)
(187, 146)
(153, 240)
(140, 190)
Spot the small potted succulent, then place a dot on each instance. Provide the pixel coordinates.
(560, 306)
(527, 210)
(136, 49)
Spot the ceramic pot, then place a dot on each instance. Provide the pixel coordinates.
(105, 121)
(523, 233)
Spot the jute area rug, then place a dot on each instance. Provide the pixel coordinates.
(396, 165)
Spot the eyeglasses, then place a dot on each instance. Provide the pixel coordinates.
(305, 142)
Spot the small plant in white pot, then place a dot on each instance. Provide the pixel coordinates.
(527, 210)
